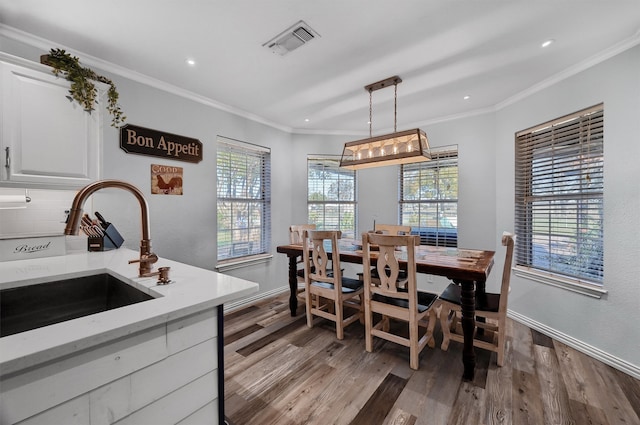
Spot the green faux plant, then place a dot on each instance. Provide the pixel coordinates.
(82, 89)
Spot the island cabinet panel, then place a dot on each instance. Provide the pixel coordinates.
(45, 386)
(164, 375)
(178, 405)
(47, 140)
(209, 414)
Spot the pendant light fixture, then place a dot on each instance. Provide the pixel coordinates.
(404, 147)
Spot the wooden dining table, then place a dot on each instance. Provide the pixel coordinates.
(466, 267)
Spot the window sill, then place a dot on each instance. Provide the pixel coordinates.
(560, 282)
(237, 263)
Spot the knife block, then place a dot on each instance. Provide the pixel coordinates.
(111, 240)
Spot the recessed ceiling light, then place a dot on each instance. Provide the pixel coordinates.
(190, 62)
(467, 97)
(547, 43)
(306, 120)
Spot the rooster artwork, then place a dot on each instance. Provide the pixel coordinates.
(166, 180)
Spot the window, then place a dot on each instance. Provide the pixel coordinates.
(331, 196)
(429, 197)
(244, 199)
(559, 187)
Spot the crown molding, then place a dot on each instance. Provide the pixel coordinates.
(45, 45)
(614, 50)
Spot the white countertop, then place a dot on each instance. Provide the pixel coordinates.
(191, 290)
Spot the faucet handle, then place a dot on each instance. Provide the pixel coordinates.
(147, 258)
(146, 263)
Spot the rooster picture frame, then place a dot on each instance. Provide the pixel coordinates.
(166, 180)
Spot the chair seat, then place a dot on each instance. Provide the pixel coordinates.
(425, 300)
(349, 285)
(486, 302)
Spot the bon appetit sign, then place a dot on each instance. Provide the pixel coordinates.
(140, 140)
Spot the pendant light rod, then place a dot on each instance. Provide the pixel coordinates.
(391, 81)
(395, 107)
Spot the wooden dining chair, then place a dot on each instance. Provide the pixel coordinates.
(388, 299)
(327, 291)
(389, 229)
(491, 309)
(296, 233)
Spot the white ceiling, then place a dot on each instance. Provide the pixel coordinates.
(442, 49)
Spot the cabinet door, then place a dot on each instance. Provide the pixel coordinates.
(51, 140)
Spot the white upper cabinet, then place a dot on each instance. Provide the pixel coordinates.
(47, 140)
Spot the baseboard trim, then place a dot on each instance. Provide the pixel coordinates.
(596, 353)
(250, 300)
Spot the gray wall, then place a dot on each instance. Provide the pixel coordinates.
(184, 228)
(611, 323)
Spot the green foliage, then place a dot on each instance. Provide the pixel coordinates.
(83, 90)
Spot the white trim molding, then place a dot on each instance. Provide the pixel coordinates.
(583, 347)
(560, 282)
(243, 302)
(238, 263)
(38, 42)
(41, 43)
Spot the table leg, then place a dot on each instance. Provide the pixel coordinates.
(468, 304)
(293, 285)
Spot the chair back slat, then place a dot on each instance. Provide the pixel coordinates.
(388, 266)
(388, 269)
(318, 260)
(296, 231)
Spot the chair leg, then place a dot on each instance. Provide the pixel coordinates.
(309, 306)
(339, 314)
(385, 323)
(368, 324)
(414, 353)
(431, 327)
(445, 325)
(501, 341)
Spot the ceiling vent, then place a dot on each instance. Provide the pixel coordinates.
(291, 38)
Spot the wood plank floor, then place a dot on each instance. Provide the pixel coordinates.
(278, 371)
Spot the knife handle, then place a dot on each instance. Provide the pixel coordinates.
(104, 223)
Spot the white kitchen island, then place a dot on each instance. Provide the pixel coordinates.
(154, 362)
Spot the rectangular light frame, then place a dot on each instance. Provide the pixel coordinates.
(404, 147)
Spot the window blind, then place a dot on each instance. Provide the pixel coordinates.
(243, 199)
(429, 197)
(559, 188)
(331, 195)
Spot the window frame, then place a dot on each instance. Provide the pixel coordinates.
(256, 198)
(333, 166)
(548, 158)
(442, 158)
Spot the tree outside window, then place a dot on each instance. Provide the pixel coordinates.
(331, 195)
(243, 199)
